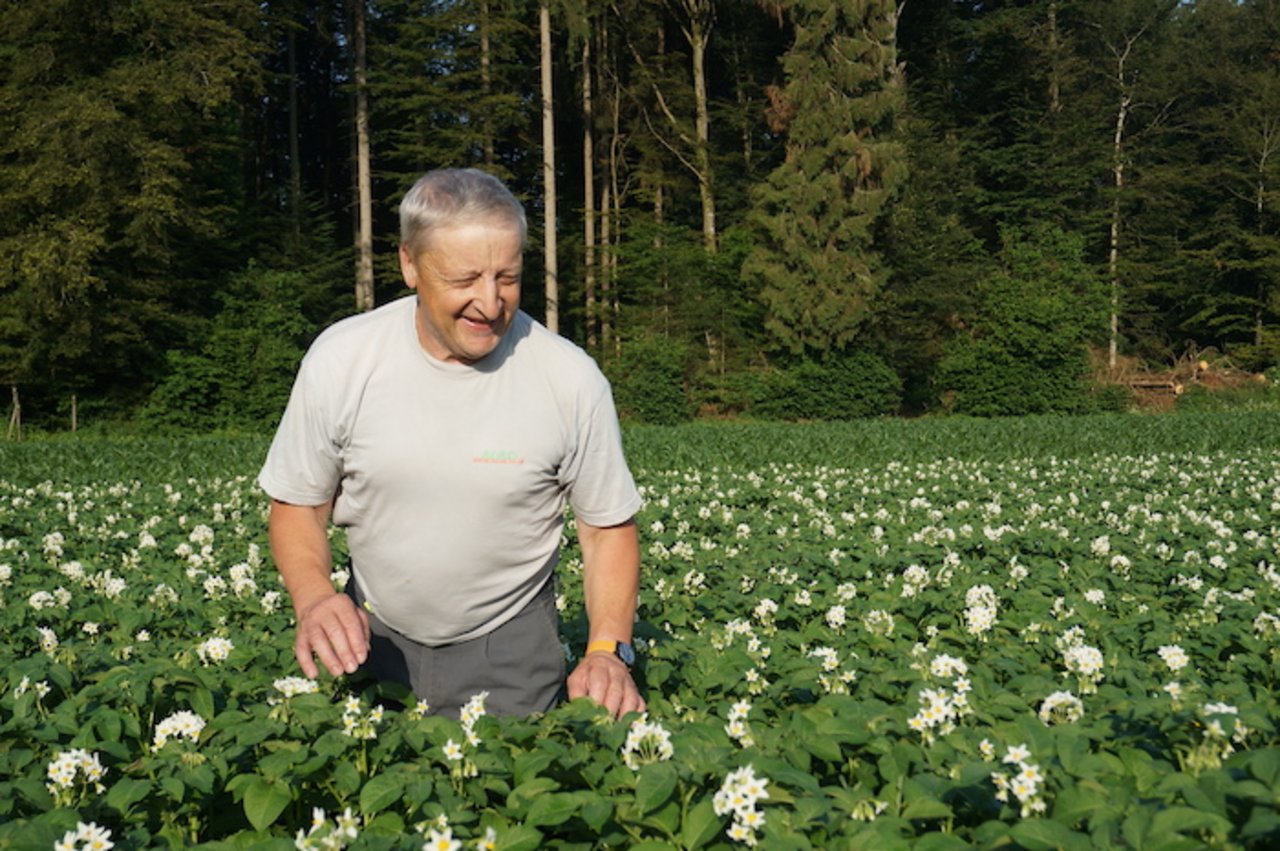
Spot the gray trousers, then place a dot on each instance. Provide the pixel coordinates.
(521, 663)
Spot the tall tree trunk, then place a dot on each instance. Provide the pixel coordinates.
(1055, 61)
(1117, 180)
(364, 180)
(588, 193)
(606, 272)
(698, 35)
(486, 82)
(15, 416)
(1260, 295)
(552, 284)
(697, 32)
(295, 159)
(614, 214)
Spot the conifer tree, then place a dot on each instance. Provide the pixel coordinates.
(118, 167)
(816, 216)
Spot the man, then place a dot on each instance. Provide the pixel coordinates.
(446, 431)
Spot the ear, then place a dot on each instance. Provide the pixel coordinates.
(408, 269)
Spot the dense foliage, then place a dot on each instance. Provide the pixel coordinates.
(752, 182)
(868, 634)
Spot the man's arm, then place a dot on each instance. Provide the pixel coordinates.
(330, 626)
(611, 579)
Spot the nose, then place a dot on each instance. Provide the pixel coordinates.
(488, 296)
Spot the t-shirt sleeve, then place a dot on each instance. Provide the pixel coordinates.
(595, 476)
(304, 463)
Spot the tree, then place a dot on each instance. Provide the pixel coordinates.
(1124, 28)
(364, 180)
(1236, 128)
(817, 213)
(551, 265)
(1023, 350)
(118, 172)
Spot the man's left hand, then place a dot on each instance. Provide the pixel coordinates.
(605, 679)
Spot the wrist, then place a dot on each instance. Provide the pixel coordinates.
(620, 650)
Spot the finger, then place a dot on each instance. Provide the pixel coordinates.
(631, 702)
(302, 652)
(324, 651)
(336, 633)
(606, 689)
(576, 684)
(357, 638)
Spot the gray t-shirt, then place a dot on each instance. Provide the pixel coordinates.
(451, 479)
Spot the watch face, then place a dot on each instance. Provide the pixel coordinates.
(626, 653)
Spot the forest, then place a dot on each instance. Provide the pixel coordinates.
(797, 209)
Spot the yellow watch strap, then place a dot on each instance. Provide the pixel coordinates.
(604, 644)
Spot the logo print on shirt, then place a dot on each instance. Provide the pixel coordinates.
(498, 456)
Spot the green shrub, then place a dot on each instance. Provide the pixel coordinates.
(1024, 350)
(240, 378)
(1259, 396)
(1112, 398)
(845, 387)
(649, 381)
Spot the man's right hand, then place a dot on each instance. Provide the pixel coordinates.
(334, 630)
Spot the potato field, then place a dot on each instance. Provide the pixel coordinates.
(1039, 633)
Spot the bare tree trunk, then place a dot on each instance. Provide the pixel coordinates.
(1270, 145)
(364, 180)
(606, 272)
(588, 194)
(698, 38)
(614, 214)
(295, 158)
(552, 284)
(1055, 70)
(15, 418)
(697, 32)
(75, 414)
(486, 82)
(1117, 178)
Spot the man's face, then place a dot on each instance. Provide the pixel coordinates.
(468, 283)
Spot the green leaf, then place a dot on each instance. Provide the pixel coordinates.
(822, 747)
(596, 809)
(552, 809)
(530, 765)
(523, 796)
(126, 792)
(939, 841)
(518, 838)
(1134, 829)
(1078, 802)
(202, 703)
(701, 825)
(1265, 765)
(1262, 822)
(174, 788)
(381, 792)
(346, 778)
(655, 785)
(386, 824)
(264, 802)
(1185, 819)
(927, 808)
(34, 791)
(1037, 834)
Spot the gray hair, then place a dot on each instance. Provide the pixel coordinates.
(456, 196)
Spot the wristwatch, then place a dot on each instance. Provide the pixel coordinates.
(621, 649)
